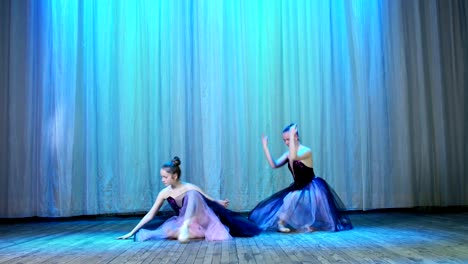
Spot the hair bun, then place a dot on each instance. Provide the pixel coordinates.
(175, 161)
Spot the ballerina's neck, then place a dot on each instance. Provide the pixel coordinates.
(177, 185)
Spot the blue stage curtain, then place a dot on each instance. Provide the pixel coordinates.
(96, 95)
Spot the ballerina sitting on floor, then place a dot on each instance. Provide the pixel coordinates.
(196, 214)
(309, 203)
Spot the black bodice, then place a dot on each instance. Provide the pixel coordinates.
(302, 174)
(172, 202)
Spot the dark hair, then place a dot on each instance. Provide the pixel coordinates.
(288, 127)
(173, 166)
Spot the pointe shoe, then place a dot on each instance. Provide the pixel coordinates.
(283, 229)
(184, 235)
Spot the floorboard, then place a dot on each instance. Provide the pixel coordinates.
(377, 237)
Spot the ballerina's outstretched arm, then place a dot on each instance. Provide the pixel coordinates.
(148, 217)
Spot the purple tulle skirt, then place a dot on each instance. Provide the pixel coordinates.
(209, 220)
(313, 207)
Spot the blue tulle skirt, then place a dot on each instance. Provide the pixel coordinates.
(313, 207)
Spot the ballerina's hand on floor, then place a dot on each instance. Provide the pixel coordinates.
(125, 236)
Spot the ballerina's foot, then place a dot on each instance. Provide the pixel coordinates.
(184, 235)
(283, 229)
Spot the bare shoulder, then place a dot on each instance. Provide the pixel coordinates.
(304, 150)
(191, 186)
(164, 193)
(305, 155)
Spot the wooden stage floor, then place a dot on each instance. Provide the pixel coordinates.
(377, 237)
